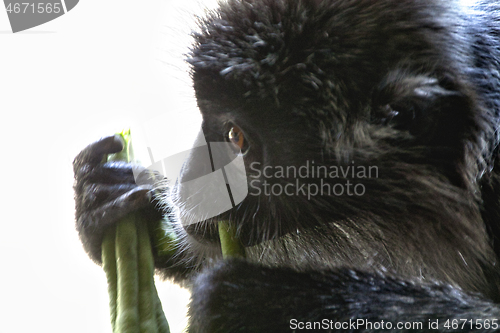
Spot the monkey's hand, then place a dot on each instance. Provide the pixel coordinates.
(106, 192)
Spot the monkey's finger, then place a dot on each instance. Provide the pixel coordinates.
(107, 173)
(102, 183)
(94, 195)
(93, 223)
(114, 210)
(94, 153)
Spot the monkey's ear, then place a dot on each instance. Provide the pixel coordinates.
(422, 107)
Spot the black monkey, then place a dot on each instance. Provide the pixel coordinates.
(406, 89)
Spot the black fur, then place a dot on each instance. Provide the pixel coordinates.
(237, 296)
(410, 87)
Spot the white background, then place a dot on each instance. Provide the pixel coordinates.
(102, 67)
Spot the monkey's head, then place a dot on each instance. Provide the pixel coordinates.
(350, 113)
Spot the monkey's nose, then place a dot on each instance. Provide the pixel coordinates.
(212, 181)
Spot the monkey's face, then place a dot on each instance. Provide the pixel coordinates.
(339, 114)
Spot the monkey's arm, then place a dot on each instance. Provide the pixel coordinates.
(231, 297)
(106, 192)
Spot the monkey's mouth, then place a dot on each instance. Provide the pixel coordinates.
(207, 232)
(251, 220)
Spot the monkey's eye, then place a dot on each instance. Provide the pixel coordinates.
(400, 117)
(237, 138)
